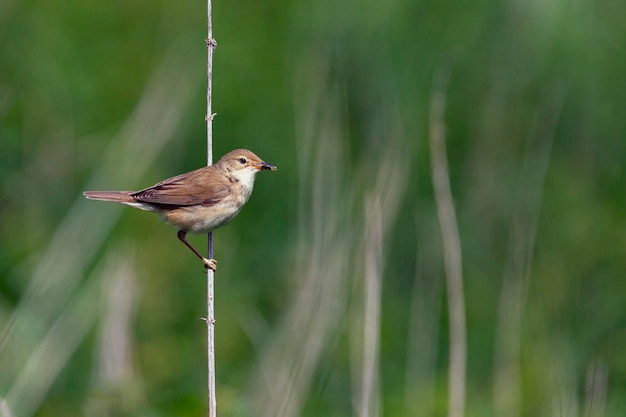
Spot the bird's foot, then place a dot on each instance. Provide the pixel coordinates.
(210, 264)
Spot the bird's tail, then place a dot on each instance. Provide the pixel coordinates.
(122, 197)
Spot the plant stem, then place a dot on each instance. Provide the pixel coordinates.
(212, 403)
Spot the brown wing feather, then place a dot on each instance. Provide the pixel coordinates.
(186, 189)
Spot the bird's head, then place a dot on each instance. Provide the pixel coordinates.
(243, 165)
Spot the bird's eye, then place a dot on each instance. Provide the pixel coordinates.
(242, 161)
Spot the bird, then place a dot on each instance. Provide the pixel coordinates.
(198, 201)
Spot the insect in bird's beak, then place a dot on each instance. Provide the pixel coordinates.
(268, 166)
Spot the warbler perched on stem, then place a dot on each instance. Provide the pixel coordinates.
(198, 201)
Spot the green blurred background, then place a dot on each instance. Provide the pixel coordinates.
(100, 305)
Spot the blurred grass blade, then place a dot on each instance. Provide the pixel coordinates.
(117, 387)
(114, 356)
(5, 411)
(596, 386)
(369, 392)
(451, 246)
(381, 205)
(523, 232)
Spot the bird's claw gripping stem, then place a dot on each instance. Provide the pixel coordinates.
(210, 264)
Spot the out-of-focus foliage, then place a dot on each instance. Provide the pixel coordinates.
(99, 305)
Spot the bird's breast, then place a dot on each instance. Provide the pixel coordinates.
(205, 218)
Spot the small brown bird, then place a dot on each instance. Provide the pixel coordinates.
(198, 201)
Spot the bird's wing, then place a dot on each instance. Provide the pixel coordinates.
(187, 189)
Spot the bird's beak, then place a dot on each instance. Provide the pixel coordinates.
(268, 166)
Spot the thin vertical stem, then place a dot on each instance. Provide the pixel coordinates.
(451, 247)
(212, 402)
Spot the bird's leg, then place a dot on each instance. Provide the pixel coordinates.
(208, 263)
